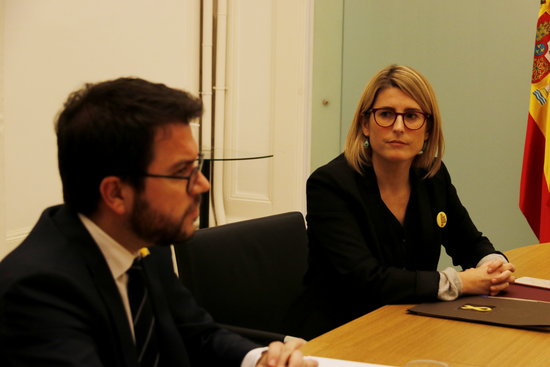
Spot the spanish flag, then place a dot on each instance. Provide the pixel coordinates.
(534, 199)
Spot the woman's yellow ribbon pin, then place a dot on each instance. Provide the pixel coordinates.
(441, 219)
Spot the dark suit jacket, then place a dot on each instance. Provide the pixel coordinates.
(59, 305)
(361, 257)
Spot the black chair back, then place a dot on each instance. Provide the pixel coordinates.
(247, 274)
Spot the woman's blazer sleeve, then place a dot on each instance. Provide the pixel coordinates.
(463, 242)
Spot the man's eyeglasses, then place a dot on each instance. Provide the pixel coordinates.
(191, 179)
(385, 117)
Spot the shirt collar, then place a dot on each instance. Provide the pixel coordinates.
(118, 258)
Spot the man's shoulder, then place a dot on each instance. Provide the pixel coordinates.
(48, 248)
(54, 225)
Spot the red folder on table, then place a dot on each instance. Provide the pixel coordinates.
(512, 312)
(526, 292)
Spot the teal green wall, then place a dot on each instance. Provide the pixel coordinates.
(478, 56)
(327, 81)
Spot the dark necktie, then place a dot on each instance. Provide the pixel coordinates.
(143, 316)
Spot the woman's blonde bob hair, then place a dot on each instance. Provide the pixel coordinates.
(415, 85)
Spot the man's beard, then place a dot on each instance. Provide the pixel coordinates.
(157, 228)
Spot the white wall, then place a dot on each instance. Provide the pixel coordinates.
(51, 47)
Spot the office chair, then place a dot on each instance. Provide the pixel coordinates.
(247, 274)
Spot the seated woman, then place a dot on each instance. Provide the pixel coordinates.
(379, 213)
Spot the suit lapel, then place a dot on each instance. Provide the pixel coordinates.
(368, 195)
(70, 225)
(173, 352)
(427, 211)
(110, 295)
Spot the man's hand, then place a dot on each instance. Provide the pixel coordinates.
(287, 354)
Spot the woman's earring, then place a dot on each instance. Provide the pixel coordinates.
(366, 144)
(423, 148)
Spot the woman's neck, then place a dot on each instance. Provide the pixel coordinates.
(394, 185)
(392, 177)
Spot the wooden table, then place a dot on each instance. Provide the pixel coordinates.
(391, 336)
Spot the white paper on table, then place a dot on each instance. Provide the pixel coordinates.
(329, 362)
(533, 282)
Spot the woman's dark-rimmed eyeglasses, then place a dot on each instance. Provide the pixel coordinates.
(191, 179)
(386, 117)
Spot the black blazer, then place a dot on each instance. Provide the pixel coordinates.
(59, 305)
(360, 257)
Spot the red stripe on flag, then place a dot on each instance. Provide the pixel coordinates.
(544, 229)
(534, 198)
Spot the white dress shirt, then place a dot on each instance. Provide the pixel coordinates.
(119, 260)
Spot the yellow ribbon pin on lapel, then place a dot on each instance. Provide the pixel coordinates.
(144, 252)
(441, 219)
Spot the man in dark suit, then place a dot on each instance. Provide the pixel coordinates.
(131, 178)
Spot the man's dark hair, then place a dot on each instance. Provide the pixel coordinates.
(108, 128)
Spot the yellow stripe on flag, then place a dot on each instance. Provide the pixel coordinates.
(540, 88)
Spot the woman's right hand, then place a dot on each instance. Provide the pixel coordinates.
(489, 278)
